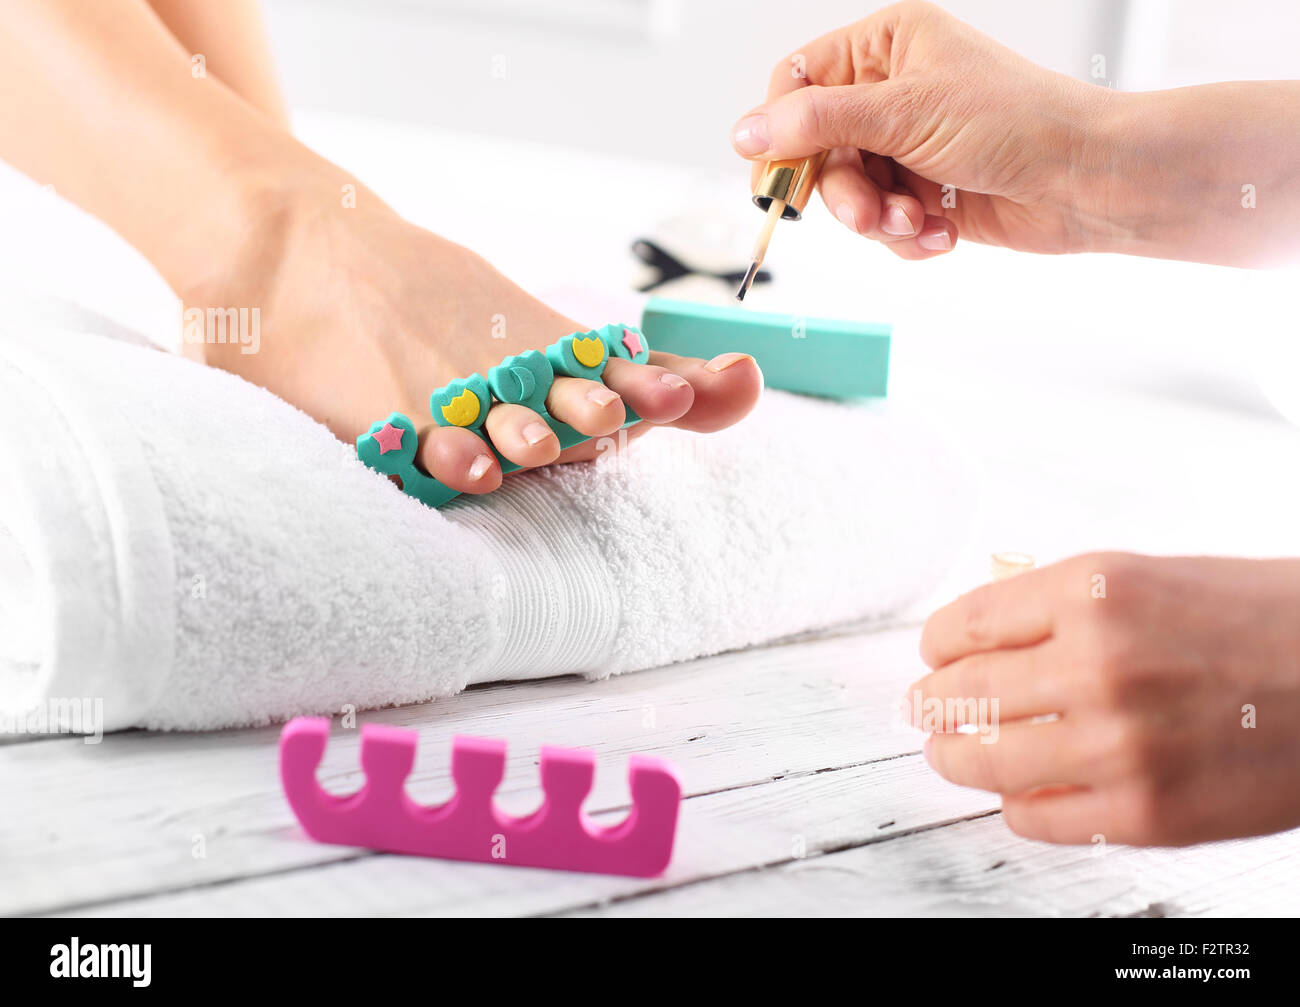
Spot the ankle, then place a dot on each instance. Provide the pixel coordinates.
(268, 205)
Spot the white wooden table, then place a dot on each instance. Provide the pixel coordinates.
(1110, 404)
(801, 798)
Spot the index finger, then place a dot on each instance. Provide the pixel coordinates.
(1008, 613)
(856, 54)
(828, 60)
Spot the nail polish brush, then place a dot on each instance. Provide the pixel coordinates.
(782, 192)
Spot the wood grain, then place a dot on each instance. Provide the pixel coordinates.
(804, 797)
(88, 824)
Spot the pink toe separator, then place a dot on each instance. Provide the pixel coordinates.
(558, 835)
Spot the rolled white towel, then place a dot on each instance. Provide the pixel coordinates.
(199, 554)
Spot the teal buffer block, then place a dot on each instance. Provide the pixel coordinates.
(814, 356)
(390, 445)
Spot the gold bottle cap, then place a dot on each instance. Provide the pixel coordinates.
(790, 181)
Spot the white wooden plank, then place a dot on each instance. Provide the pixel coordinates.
(86, 824)
(730, 830)
(979, 868)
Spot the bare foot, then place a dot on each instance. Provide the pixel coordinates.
(363, 314)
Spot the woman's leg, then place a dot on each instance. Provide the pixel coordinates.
(231, 37)
(361, 312)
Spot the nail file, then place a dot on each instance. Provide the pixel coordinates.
(815, 356)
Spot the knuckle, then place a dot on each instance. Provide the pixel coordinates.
(902, 105)
(1107, 684)
(1110, 663)
(992, 772)
(817, 117)
(1131, 751)
(977, 620)
(973, 677)
(1098, 574)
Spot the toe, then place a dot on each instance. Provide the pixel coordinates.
(726, 388)
(588, 406)
(459, 459)
(521, 435)
(653, 393)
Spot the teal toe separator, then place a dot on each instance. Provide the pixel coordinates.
(462, 403)
(627, 343)
(389, 445)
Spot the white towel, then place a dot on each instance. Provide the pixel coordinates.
(199, 554)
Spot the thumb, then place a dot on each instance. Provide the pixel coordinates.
(815, 118)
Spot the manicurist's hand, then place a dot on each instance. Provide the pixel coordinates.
(1176, 688)
(937, 131)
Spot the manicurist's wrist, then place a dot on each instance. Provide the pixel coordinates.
(1114, 184)
(1159, 177)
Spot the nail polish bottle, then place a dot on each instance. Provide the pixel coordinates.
(791, 181)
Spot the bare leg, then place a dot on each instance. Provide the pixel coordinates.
(361, 312)
(231, 37)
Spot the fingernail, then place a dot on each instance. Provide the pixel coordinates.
(749, 136)
(935, 241)
(601, 395)
(896, 222)
(535, 433)
(672, 380)
(478, 469)
(845, 216)
(720, 363)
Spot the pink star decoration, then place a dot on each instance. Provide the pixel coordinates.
(632, 341)
(389, 438)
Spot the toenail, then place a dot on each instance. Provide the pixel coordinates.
(601, 395)
(672, 380)
(535, 433)
(478, 469)
(721, 363)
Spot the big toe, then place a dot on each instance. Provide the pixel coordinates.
(726, 388)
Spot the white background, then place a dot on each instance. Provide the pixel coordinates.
(666, 78)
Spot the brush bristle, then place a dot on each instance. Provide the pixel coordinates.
(750, 273)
